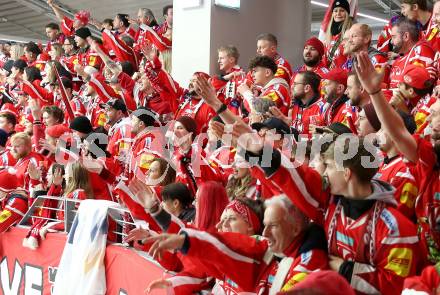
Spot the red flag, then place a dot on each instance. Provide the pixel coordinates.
(64, 96)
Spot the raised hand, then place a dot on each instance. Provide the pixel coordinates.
(164, 242)
(207, 92)
(370, 79)
(57, 178)
(33, 171)
(276, 112)
(91, 164)
(144, 194)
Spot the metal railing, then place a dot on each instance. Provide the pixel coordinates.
(69, 207)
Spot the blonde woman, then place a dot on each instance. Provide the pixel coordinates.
(340, 22)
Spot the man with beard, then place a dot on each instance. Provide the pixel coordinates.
(422, 154)
(338, 108)
(405, 39)
(357, 95)
(417, 10)
(307, 104)
(192, 105)
(21, 149)
(359, 39)
(312, 56)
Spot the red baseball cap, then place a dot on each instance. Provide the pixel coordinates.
(338, 75)
(415, 76)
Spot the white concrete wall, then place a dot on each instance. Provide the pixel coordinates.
(198, 32)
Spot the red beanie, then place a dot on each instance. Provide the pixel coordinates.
(9, 108)
(189, 124)
(8, 181)
(317, 44)
(56, 131)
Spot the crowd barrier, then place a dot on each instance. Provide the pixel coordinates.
(31, 272)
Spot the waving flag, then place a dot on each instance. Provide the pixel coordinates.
(64, 96)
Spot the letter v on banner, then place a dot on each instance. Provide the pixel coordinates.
(10, 287)
(64, 96)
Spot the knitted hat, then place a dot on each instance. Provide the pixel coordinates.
(83, 33)
(189, 124)
(56, 131)
(8, 181)
(81, 124)
(317, 44)
(371, 115)
(341, 3)
(3, 137)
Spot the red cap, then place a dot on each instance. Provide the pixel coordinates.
(338, 75)
(8, 181)
(56, 131)
(323, 282)
(415, 76)
(317, 44)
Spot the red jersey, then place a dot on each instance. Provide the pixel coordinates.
(87, 57)
(276, 90)
(341, 111)
(305, 114)
(420, 54)
(284, 70)
(21, 168)
(396, 172)
(227, 91)
(381, 243)
(119, 136)
(427, 176)
(247, 265)
(196, 109)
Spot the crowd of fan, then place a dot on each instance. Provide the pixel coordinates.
(319, 180)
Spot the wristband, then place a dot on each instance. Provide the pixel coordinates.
(221, 109)
(375, 92)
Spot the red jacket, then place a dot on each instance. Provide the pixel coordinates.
(380, 244)
(396, 173)
(341, 111)
(420, 54)
(196, 109)
(246, 264)
(304, 115)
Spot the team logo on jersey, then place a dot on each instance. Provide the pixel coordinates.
(399, 261)
(390, 222)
